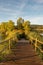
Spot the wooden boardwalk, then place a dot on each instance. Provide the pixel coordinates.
(24, 55)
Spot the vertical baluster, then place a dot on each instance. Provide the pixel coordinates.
(35, 44)
(31, 41)
(9, 44)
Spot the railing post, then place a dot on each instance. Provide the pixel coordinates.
(35, 44)
(9, 44)
(31, 41)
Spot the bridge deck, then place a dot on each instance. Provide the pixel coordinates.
(24, 55)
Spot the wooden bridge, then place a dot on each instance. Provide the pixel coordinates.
(31, 39)
(24, 54)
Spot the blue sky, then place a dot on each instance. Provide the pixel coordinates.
(27, 9)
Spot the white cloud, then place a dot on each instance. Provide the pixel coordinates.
(39, 1)
(35, 7)
(12, 13)
(35, 20)
(2, 9)
(16, 10)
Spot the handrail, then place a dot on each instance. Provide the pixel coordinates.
(3, 49)
(36, 46)
(35, 39)
(39, 48)
(8, 38)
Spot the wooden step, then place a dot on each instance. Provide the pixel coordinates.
(24, 54)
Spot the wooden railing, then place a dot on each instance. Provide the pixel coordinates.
(9, 43)
(36, 43)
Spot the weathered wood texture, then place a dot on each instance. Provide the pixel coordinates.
(24, 55)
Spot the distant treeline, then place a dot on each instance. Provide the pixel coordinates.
(10, 25)
(38, 28)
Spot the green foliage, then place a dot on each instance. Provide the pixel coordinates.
(19, 23)
(17, 32)
(39, 53)
(10, 25)
(26, 25)
(1, 58)
(36, 35)
(21, 36)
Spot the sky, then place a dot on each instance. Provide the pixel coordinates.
(31, 10)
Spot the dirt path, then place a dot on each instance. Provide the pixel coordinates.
(24, 55)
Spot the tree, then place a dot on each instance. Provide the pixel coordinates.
(26, 26)
(3, 26)
(3, 30)
(6, 26)
(10, 25)
(19, 23)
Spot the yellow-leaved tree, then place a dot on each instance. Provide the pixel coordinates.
(26, 26)
(19, 23)
(10, 25)
(3, 30)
